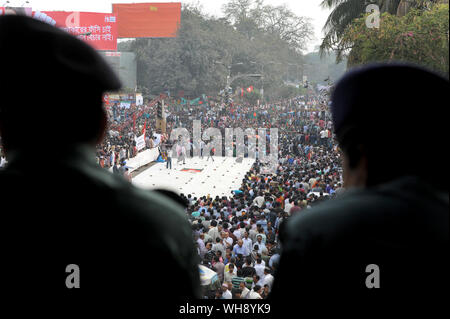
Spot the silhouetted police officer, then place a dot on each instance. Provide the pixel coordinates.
(58, 207)
(386, 239)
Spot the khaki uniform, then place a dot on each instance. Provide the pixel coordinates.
(401, 226)
(66, 210)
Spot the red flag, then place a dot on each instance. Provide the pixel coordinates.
(106, 99)
(309, 155)
(250, 89)
(242, 92)
(143, 131)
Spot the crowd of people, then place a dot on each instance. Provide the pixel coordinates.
(237, 236)
(392, 218)
(125, 124)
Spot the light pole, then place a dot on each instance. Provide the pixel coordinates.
(262, 75)
(230, 79)
(229, 71)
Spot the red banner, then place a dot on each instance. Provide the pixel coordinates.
(152, 20)
(97, 29)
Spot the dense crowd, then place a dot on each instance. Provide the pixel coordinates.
(125, 124)
(237, 235)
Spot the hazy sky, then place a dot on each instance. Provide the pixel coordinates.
(307, 8)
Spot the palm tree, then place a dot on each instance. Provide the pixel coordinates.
(345, 11)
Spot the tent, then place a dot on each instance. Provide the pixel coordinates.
(208, 277)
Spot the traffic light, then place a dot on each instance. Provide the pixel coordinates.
(159, 110)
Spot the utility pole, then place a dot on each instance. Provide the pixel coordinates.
(262, 75)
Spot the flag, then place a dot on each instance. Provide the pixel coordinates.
(106, 99)
(195, 101)
(242, 92)
(250, 89)
(143, 131)
(309, 155)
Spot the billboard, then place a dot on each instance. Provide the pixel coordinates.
(15, 10)
(97, 29)
(152, 20)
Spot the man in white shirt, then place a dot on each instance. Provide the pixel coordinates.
(3, 161)
(227, 267)
(228, 275)
(260, 244)
(257, 281)
(237, 233)
(215, 230)
(247, 242)
(254, 294)
(259, 267)
(227, 240)
(259, 200)
(226, 294)
(288, 206)
(244, 290)
(218, 246)
(268, 278)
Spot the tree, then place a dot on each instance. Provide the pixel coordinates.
(419, 37)
(253, 16)
(346, 11)
(197, 60)
(283, 23)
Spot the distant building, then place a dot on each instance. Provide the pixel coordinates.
(124, 63)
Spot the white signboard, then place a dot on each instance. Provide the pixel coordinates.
(125, 105)
(139, 99)
(156, 139)
(140, 142)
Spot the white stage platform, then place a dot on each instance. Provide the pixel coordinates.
(200, 177)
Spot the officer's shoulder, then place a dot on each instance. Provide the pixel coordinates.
(338, 214)
(161, 207)
(146, 204)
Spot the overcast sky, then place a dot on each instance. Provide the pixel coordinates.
(307, 8)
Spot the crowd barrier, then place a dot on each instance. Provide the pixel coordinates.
(141, 159)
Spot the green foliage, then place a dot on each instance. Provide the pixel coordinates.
(419, 37)
(344, 12)
(251, 33)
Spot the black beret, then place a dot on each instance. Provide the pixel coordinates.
(38, 58)
(388, 98)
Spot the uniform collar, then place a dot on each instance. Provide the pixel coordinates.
(67, 153)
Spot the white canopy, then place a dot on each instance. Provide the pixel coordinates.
(207, 276)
